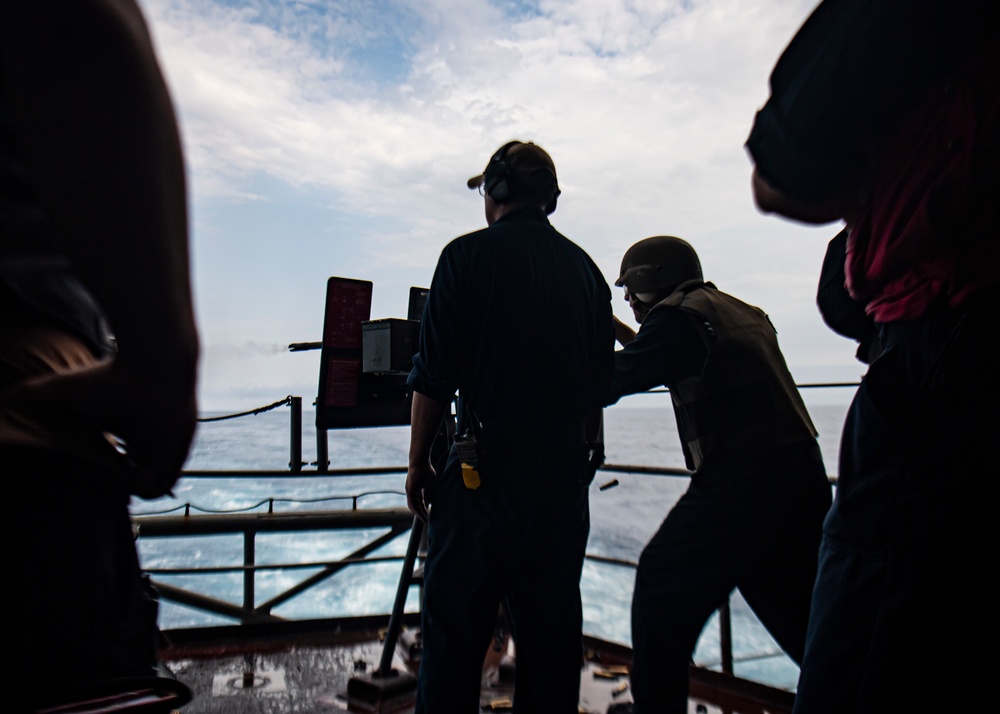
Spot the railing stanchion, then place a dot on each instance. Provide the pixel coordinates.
(249, 561)
(295, 459)
(322, 451)
(726, 637)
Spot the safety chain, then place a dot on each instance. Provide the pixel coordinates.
(258, 410)
(188, 507)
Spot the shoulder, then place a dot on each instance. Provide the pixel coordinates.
(578, 250)
(465, 244)
(686, 295)
(470, 236)
(736, 303)
(668, 330)
(584, 262)
(707, 294)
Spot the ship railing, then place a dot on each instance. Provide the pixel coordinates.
(390, 522)
(322, 463)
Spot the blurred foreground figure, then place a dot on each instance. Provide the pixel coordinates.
(98, 346)
(887, 116)
(753, 513)
(509, 517)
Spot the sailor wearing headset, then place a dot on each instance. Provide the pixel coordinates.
(509, 517)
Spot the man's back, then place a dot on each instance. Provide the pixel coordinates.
(519, 319)
(744, 398)
(509, 519)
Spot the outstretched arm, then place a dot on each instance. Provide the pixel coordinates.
(623, 333)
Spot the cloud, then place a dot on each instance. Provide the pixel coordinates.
(375, 113)
(614, 83)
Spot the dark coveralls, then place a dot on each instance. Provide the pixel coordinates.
(518, 319)
(752, 515)
(83, 613)
(910, 94)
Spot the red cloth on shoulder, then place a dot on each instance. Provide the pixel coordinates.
(931, 232)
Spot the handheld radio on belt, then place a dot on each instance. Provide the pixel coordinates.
(466, 445)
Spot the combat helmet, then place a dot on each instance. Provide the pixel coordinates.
(658, 265)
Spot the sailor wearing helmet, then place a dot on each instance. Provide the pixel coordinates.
(753, 513)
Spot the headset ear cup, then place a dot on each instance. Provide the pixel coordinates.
(500, 191)
(495, 176)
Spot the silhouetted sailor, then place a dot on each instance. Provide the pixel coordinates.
(518, 322)
(752, 515)
(887, 116)
(97, 336)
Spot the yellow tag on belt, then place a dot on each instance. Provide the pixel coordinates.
(470, 476)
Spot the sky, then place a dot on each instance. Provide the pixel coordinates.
(334, 138)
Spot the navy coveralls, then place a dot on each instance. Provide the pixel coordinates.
(518, 319)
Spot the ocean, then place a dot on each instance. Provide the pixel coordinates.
(623, 517)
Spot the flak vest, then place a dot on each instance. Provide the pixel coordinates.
(745, 399)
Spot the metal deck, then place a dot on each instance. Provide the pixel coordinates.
(269, 670)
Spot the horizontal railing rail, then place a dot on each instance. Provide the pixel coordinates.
(322, 463)
(189, 520)
(394, 522)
